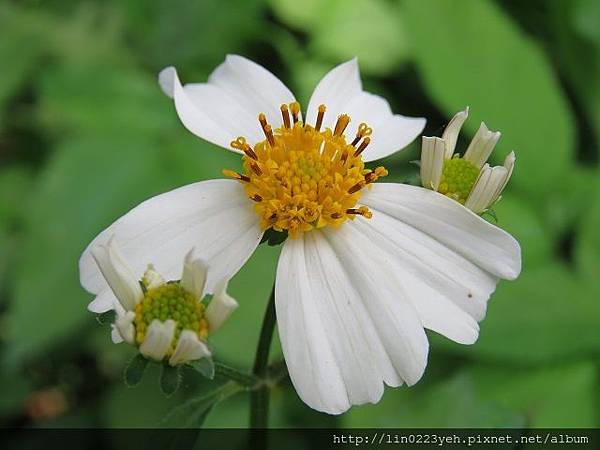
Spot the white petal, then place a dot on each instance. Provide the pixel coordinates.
(152, 279)
(482, 145)
(193, 278)
(433, 151)
(213, 216)
(341, 92)
(117, 273)
(124, 326)
(115, 335)
(189, 348)
(220, 308)
(452, 131)
(451, 225)
(227, 106)
(342, 334)
(105, 301)
(487, 188)
(509, 164)
(158, 339)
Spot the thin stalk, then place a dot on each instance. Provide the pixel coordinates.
(259, 398)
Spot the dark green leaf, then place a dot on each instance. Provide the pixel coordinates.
(134, 370)
(204, 366)
(105, 318)
(170, 379)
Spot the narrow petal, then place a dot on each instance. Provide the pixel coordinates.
(124, 326)
(487, 188)
(103, 302)
(509, 164)
(220, 308)
(482, 145)
(158, 339)
(189, 348)
(193, 278)
(452, 131)
(433, 151)
(117, 273)
(341, 92)
(227, 106)
(213, 216)
(152, 279)
(342, 334)
(451, 225)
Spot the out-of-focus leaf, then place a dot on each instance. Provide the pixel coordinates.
(191, 35)
(251, 287)
(87, 185)
(522, 221)
(106, 100)
(562, 396)
(372, 30)
(15, 186)
(470, 53)
(544, 316)
(134, 370)
(346, 33)
(451, 403)
(22, 44)
(587, 251)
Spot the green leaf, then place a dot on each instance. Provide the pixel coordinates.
(204, 366)
(429, 405)
(105, 318)
(64, 215)
(194, 411)
(522, 221)
(551, 397)
(470, 53)
(587, 250)
(15, 190)
(134, 370)
(545, 316)
(170, 379)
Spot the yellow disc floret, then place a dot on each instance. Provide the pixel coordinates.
(458, 178)
(170, 301)
(302, 177)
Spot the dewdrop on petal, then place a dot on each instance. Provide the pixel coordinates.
(167, 320)
(468, 179)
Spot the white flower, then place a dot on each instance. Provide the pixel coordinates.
(166, 320)
(367, 266)
(468, 180)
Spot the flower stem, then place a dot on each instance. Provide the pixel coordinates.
(243, 379)
(259, 398)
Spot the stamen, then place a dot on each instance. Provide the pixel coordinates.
(295, 109)
(357, 187)
(362, 146)
(256, 169)
(257, 198)
(336, 215)
(363, 130)
(341, 124)
(286, 115)
(362, 211)
(241, 144)
(236, 175)
(376, 174)
(267, 129)
(320, 115)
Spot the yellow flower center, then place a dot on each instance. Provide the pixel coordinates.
(302, 177)
(458, 178)
(170, 301)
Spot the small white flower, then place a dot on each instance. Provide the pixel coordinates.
(166, 320)
(367, 267)
(468, 180)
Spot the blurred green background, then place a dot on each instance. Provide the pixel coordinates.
(86, 134)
